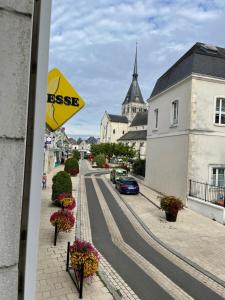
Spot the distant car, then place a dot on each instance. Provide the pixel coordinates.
(117, 173)
(127, 185)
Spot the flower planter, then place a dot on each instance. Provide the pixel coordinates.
(171, 205)
(82, 262)
(62, 220)
(171, 217)
(83, 252)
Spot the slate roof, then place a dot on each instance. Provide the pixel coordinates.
(140, 119)
(134, 93)
(91, 140)
(134, 135)
(201, 59)
(72, 141)
(118, 118)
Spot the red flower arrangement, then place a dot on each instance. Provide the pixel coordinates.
(67, 201)
(84, 252)
(74, 171)
(64, 220)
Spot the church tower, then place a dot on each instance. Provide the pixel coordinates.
(133, 101)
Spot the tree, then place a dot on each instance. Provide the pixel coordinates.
(100, 160)
(61, 184)
(112, 149)
(72, 166)
(76, 154)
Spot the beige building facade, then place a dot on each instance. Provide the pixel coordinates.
(112, 128)
(186, 131)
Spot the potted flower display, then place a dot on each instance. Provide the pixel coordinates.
(83, 252)
(64, 220)
(66, 201)
(171, 205)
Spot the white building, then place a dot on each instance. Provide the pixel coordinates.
(56, 148)
(137, 134)
(113, 127)
(186, 132)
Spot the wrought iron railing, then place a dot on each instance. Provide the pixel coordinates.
(207, 192)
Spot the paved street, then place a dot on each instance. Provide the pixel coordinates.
(144, 267)
(133, 264)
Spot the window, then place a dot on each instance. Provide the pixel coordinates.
(128, 109)
(156, 113)
(218, 176)
(174, 112)
(114, 131)
(134, 109)
(220, 111)
(123, 131)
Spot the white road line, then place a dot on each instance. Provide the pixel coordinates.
(162, 280)
(217, 288)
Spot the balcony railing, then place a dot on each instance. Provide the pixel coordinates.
(207, 192)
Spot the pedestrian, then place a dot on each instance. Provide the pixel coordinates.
(44, 181)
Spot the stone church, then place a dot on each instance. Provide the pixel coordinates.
(130, 127)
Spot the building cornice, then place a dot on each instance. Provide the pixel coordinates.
(187, 132)
(190, 77)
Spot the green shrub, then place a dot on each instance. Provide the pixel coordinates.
(72, 166)
(139, 167)
(76, 154)
(100, 160)
(61, 184)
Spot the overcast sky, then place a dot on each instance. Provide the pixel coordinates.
(93, 44)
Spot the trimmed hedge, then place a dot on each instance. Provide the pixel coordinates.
(139, 167)
(72, 166)
(100, 160)
(61, 184)
(76, 154)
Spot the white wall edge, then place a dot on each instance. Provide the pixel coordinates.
(37, 155)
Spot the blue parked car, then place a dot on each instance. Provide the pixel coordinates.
(127, 185)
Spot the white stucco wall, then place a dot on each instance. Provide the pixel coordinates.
(15, 32)
(204, 93)
(103, 128)
(107, 128)
(207, 139)
(120, 129)
(167, 165)
(167, 146)
(210, 210)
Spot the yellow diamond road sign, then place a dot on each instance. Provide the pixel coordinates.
(62, 100)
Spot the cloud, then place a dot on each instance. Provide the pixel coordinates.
(93, 44)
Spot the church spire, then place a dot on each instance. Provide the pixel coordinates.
(135, 73)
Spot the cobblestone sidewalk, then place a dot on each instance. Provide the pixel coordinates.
(53, 282)
(194, 236)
